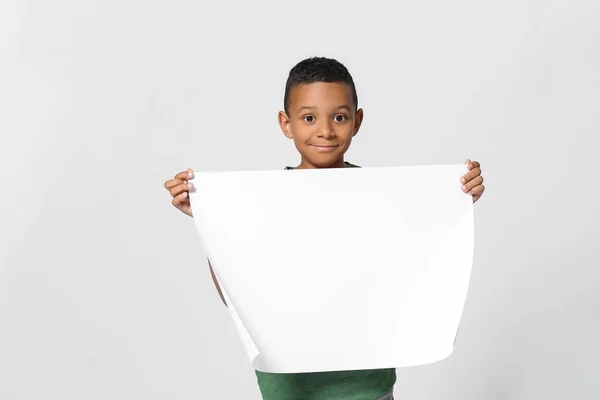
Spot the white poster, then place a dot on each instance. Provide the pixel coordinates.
(340, 269)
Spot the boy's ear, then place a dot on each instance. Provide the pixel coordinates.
(284, 123)
(358, 118)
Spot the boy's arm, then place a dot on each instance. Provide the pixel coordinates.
(214, 278)
(179, 188)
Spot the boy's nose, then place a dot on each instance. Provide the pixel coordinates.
(326, 131)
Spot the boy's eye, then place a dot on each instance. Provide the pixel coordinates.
(340, 118)
(309, 118)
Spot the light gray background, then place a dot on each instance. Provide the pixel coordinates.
(103, 290)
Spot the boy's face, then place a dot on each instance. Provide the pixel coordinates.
(322, 122)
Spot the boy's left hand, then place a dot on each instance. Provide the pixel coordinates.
(472, 182)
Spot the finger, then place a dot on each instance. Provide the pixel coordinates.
(471, 184)
(171, 183)
(187, 174)
(177, 190)
(178, 200)
(477, 190)
(470, 175)
(472, 164)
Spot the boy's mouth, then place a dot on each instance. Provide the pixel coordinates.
(325, 148)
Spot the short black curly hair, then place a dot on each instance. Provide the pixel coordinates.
(318, 69)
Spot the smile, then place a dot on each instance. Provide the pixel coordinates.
(324, 148)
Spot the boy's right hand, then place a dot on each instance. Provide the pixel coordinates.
(179, 188)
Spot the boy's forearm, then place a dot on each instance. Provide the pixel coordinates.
(214, 278)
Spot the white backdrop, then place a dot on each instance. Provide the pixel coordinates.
(101, 102)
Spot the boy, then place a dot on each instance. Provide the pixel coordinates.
(321, 116)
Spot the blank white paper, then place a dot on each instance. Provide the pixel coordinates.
(340, 269)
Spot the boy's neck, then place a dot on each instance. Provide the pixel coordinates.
(304, 164)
